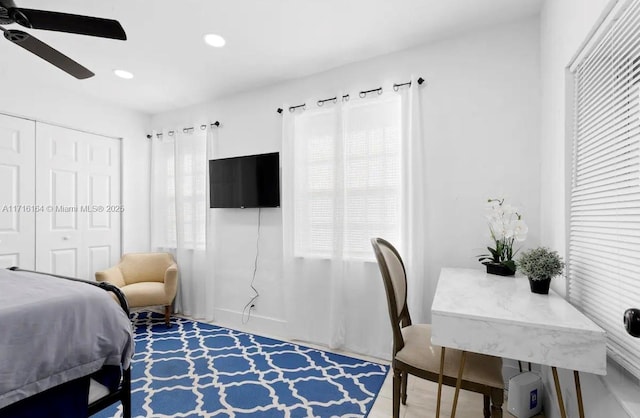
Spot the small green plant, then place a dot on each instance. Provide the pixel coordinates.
(540, 263)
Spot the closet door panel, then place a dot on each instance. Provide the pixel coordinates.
(102, 233)
(17, 209)
(78, 180)
(59, 189)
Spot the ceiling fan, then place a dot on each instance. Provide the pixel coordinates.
(60, 22)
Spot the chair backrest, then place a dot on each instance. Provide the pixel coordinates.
(394, 277)
(144, 267)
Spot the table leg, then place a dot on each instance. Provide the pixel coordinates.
(440, 382)
(563, 414)
(576, 378)
(463, 357)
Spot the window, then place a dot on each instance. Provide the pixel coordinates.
(179, 192)
(347, 177)
(604, 218)
(193, 203)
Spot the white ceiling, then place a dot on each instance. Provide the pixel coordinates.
(268, 41)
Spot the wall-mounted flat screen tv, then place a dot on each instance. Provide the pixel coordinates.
(250, 181)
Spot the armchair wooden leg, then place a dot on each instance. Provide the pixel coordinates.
(487, 406)
(397, 382)
(167, 315)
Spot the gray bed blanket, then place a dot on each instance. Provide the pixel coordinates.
(54, 330)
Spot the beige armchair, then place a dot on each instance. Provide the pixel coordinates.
(146, 279)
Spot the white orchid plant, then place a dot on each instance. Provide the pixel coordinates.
(505, 226)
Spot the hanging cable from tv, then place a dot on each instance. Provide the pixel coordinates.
(251, 304)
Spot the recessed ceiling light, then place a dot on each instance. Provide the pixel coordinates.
(123, 74)
(214, 40)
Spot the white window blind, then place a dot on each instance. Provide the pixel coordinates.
(347, 177)
(604, 235)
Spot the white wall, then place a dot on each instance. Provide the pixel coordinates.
(47, 104)
(564, 27)
(481, 119)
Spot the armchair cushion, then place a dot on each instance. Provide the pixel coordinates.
(146, 294)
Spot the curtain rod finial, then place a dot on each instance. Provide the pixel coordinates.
(420, 80)
(217, 123)
(279, 110)
(149, 136)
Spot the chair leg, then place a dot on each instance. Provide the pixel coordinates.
(403, 389)
(397, 378)
(487, 406)
(167, 315)
(497, 398)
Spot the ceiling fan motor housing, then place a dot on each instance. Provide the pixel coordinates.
(5, 7)
(4, 16)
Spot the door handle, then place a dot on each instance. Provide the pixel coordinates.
(66, 238)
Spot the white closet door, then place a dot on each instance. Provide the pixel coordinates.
(17, 173)
(78, 183)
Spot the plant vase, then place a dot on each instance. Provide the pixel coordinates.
(499, 269)
(539, 286)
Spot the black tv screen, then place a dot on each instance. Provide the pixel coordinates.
(251, 181)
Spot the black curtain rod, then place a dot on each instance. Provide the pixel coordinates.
(365, 92)
(345, 98)
(185, 130)
(396, 87)
(293, 108)
(334, 99)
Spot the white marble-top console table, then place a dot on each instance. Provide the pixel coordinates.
(499, 316)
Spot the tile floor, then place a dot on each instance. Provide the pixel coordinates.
(421, 401)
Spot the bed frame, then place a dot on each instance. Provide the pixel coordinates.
(123, 392)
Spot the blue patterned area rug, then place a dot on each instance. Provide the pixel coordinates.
(194, 369)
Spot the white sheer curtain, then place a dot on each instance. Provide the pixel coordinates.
(179, 202)
(351, 171)
(414, 203)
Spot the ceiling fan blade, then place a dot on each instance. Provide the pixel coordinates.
(47, 53)
(64, 22)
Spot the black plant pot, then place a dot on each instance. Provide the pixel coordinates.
(499, 269)
(539, 286)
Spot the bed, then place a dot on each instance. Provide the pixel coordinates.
(65, 346)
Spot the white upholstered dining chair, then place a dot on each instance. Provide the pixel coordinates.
(414, 354)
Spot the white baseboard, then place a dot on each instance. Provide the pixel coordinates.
(256, 324)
